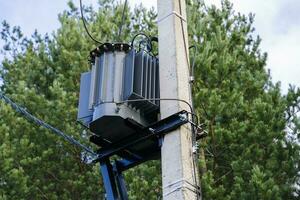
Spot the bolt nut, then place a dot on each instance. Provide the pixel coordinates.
(183, 117)
(151, 130)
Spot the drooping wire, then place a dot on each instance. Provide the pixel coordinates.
(192, 68)
(39, 122)
(123, 18)
(183, 34)
(85, 26)
(195, 155)
(194, 122)
(149, 44)
(194, 127)
(148, 41)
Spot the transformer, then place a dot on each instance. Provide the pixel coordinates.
(120, 92)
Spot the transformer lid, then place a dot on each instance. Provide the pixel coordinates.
(108, 47)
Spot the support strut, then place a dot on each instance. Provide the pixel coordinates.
(131, 155)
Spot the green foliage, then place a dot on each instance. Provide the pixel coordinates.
(248, 153)
(42, 74)
(251, 152)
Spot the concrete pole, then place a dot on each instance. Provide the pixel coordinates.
(178, 174)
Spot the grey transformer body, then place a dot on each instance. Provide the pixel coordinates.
(119, 74)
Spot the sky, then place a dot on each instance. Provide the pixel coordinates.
(276, 21)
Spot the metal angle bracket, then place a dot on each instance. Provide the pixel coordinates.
(156, 130)
(112, 173)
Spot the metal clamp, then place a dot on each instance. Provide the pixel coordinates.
(172, 13)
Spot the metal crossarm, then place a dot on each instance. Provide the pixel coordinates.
(132, 152)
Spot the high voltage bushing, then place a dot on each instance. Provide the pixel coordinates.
(119, 74)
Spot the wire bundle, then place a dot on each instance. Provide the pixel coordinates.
(40, 122)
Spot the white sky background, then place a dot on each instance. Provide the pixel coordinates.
(276, 21)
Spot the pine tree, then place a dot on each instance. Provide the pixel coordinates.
(248, 153)
(42, 74)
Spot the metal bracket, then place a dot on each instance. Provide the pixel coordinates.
(113, 179)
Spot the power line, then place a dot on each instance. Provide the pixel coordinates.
(194, 118)
(183, 34)
(149, 44)
(123, 18)
(153, 99)
(195, 155)
(39, 122)
(192, 68)
(84, 24)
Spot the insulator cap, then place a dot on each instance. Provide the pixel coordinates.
(107, 47)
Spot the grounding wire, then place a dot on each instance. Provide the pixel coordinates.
(123, 18)
(150, 99)
(84, 24)
(40, 122)
(192, 113)
(195, 156)
(183, 34)
(192, 70)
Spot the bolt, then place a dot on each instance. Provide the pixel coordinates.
(151, 130)
(183, 117)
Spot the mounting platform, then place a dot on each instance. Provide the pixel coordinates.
(143, 145)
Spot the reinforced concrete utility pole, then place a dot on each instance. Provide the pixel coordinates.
(179, 175)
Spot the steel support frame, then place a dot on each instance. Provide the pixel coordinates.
(113, 179)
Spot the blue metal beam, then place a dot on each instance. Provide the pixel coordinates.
(112, 175)
(156, 130)
(108, 179)
(120, 183)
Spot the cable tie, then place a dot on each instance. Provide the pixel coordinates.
(195, 148)
(172, 13)
(192, 79)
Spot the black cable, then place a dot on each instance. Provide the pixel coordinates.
(195, 156)
(192, 68)
(123, 18)
(142, 42)
(183, 34)
(157, 99)
(84, 24)
(146, 36)
(148, 42)
(192, 113)
(39, 122)
(82, 124)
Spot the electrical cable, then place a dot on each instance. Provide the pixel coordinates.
(192, 113)
(192, 79)
(142, 42)
(84, 24)
(192, 68)
(123, 18)
(183, 34)
(195, 156)
(165, 99)
(148, 41)
(149, 44)
(150, 99)
(39, 122)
